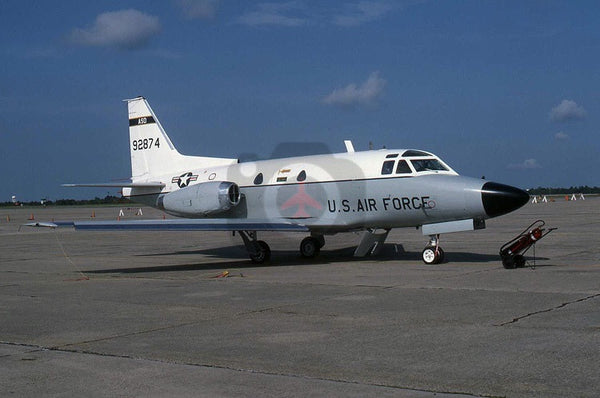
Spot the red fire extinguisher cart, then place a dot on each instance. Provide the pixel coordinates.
(512, 251)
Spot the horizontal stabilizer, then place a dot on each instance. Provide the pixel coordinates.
(152, 184)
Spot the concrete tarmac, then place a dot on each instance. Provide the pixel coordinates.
(102, 314)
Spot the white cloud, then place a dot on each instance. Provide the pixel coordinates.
(352, 94)
(527, 164)
(561, 136)
(567, 110)
(280, 14)
(125, 29)
(199, 9)
(362, 12)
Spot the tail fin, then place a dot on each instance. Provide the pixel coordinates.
(152, 152)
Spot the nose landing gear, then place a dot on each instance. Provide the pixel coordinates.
(433, 253)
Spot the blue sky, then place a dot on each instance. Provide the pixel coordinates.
(505, 89)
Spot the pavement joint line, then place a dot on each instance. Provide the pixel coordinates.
(34, 348)
(517, 319)
(63, 349)
(16, 272)
(236, 315)
(139, 332)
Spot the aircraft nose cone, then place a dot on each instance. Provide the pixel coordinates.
(499, 199)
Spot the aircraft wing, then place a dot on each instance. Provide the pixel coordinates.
(151, 184)
(186, 224)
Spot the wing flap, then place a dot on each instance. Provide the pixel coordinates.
(215, 224)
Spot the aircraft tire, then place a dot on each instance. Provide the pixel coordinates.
(320, 239)
(430, 256)
(263, 253)
(310, 247)
(442, 255)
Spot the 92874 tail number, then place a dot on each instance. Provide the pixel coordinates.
(145, 143)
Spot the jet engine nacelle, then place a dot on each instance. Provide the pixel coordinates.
(201, 200)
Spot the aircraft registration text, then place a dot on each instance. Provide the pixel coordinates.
(146, 143)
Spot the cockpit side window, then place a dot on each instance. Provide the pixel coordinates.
(388, 167)
(428, 165)
(403, 167)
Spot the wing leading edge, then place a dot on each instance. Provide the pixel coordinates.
(120, 185)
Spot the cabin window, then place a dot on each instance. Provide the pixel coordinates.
(403, 167)
(301, 176)
(388, 167)
(258, 179)
(412, 152)
(392, 156)
(428, 165)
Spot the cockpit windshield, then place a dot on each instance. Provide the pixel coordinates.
(428, 165)
(413, 153)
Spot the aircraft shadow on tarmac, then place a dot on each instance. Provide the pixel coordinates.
(282, 258)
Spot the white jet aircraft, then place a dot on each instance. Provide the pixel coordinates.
(371, 191)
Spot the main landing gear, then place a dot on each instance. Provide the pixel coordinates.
(260, 252)
(311, 246)
(433, 253)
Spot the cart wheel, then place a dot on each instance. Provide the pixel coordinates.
(508, 262)
(519, 261)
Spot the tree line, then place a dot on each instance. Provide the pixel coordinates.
(107, 200)
(563, 191)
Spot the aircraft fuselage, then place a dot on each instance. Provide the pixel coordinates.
(339, 192)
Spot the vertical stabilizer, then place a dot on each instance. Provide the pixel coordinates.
(152, 152)
(150, 145)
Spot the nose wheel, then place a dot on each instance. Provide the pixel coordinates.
(433, 253)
